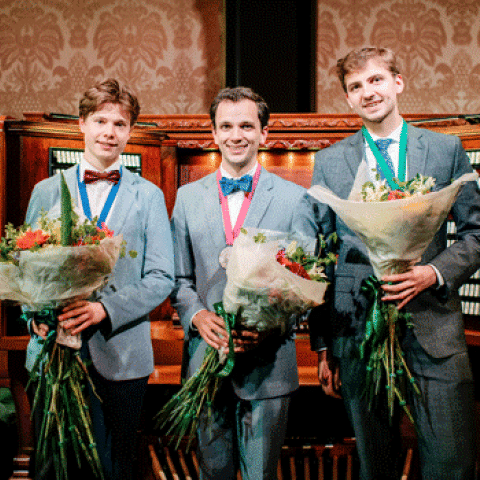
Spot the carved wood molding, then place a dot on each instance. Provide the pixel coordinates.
(298, 144)
(41, 125)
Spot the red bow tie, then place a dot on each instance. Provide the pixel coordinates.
(92, 176)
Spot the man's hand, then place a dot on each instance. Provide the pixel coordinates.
(40, 329)
(79, 315)
(245, 340)
(406, 286)
(329, 375)
(212, 328)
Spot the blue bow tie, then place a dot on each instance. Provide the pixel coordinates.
(230, 185)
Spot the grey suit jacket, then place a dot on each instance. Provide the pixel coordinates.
(136, 286)
(199, 238)
(436, 313)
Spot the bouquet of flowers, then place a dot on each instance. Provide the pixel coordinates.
(62, 260)
(396, 227)
(271, 281)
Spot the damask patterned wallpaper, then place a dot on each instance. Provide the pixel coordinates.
(437, 43)
(169, 51)
(172, 51)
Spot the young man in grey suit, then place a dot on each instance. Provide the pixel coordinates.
(435, 347)
(248, 424)
(115, 324)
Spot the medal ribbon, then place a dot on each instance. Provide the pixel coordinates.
(82, 188)
(232, 234)
(402, 157)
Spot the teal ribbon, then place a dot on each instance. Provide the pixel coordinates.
(402, 159)
(229, 319)
(48, 316)
(375, 323)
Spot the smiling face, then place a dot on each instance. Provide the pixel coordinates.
(106, 133)
(238, 134)
(372, 94)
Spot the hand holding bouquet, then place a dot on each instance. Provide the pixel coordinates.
(62, 260)
(271, 281)
(396, 228)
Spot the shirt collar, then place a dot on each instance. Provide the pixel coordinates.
(395, 135)
(251, 172)
(84, 165)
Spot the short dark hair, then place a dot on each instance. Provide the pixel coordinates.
(237, 94)
(109, 91)
(356, 60)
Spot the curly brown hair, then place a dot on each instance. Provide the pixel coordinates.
(109, 91)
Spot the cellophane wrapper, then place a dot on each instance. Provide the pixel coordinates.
(396, 233)
(54, 276)
(264, 293)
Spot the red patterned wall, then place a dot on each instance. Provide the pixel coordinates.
(437, 43)
(169, 51)
(172, 51)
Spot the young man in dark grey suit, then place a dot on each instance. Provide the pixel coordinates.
(435, 348)
(248, 424)
(115, 323)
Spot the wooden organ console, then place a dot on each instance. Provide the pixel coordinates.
(171, 150)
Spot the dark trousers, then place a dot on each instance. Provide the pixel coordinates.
(116, 419)
(445, 417)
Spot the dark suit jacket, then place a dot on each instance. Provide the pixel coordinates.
(436, 313)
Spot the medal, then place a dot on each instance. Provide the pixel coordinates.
(224, 256)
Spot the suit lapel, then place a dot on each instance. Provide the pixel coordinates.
(416, 152)
(212, 211)
(355, 153)
(261, 200)
(125, 199)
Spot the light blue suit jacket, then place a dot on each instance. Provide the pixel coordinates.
(136, 286)
(199, 238)
(436, 313)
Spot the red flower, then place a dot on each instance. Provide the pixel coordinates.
(396, 195)
(31, 238)
(95, 239)
(105, 230)
(294, 267)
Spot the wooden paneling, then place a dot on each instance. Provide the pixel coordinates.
(177, 149)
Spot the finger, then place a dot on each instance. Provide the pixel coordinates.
(328, 390)
(74, 305)
(43, 331)
(74, 322)
(70, 314)
(404, 302)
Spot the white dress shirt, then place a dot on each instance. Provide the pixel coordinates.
(393, 151)
(98, 191)
(235, 199)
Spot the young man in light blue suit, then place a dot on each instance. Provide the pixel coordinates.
(435, 348)
(249, 419)
(115, 323)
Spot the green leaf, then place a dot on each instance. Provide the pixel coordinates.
(66, 213)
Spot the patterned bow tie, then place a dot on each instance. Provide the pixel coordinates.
(91, 176)
(230, 185)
